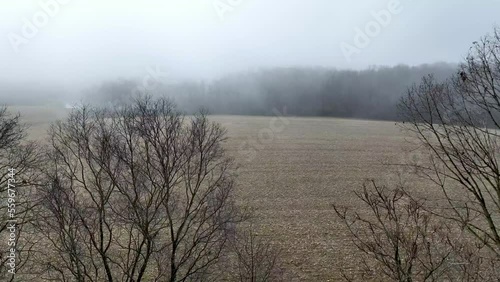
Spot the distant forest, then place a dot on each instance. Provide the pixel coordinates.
(368, 94)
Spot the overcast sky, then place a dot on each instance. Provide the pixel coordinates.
(86, 41)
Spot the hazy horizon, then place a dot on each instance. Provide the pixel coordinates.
(83, 43)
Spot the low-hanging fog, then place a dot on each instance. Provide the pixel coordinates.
(322, 57)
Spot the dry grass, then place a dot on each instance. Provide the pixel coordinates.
(294, 179)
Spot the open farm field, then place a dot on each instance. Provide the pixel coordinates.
(291, 178)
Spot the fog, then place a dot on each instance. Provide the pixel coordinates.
(62, 50)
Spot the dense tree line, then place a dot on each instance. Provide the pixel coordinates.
(371, 94)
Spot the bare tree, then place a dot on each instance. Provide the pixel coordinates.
(457, 122)
(11, 131)
(397, 236)
(252, 258)
(19, 162)
(400, 238)
(138, 194)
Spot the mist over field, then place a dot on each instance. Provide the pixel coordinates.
(324, 58)
(369, 94)
(249, 140)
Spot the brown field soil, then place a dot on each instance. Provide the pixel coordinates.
(297, 174)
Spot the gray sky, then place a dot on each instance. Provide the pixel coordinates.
(87, 41)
